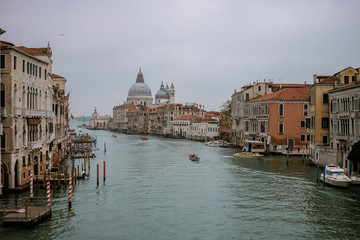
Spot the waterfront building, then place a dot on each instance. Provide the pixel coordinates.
(248, 92)
(60, 120)
(97, 122)
(205, 129)
(345, 121)
(182, 125)
(323, 148)
(26, 113)
(278, 119)
(137, 120)
(120, 119)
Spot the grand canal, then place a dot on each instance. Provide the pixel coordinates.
(152, 191)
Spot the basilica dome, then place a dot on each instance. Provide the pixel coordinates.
(139, 92)
(140, 88)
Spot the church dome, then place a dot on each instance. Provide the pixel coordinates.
(162, 93)
(140, 88)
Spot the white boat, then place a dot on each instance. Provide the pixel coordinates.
(335, 176)
(214, 143)
(355, 179)
(247, 155)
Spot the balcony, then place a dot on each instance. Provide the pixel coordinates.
(33, 113)
(17, 112)
(50, 114)
(3, 111)
(36, 145)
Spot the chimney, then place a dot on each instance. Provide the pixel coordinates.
(314, 78)
(305, 83)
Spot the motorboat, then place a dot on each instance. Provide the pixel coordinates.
(214, 143)
(114, 135)
(194, 157)
(144, 138)
(335, 176)
(247, 155)
(355, 179)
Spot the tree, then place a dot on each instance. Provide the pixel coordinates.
(226, 108)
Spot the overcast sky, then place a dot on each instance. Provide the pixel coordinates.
(206, 48)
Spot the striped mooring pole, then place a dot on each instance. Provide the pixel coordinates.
(31, 187)
(70, 191)
(48, 193)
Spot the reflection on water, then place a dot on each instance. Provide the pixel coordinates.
(153, 191)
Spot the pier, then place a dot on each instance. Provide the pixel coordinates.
(25, 212)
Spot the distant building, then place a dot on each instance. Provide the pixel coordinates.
(98, 122)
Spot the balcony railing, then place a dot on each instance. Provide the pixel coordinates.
(3, 111)
(17, 111)
(33, 113)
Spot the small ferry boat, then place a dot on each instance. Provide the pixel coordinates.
(247, 155)
(194, 157)
(335, 176)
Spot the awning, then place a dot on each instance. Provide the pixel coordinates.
(34, 121)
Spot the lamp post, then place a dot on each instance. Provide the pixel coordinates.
(1, 32)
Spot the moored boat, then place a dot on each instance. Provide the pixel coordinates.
(247, 155)
(335, 176)
(194, 157)
(355, 179)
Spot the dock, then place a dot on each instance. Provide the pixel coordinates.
(25, 212)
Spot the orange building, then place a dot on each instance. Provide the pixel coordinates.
(279, 119)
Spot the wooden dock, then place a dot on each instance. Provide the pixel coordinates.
(29, 213)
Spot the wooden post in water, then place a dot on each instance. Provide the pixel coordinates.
(98, 174)
(84, 160)
(26, 208)
(89, 158)
(317, 173)
(44, 180)
(104, 171)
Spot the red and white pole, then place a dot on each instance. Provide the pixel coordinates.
(70, 191)
(48, 193)
(31, 187)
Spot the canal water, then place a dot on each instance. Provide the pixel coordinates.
(152, 191)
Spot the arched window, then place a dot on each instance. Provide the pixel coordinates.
(15, 96)
(281, 110)
(305, 110)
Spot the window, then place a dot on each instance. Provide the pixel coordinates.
(23, 66)
(281, 127)
(39, 72)
(24, 161)
(281, 110)
(2, 61)
(325, 123)
(346, 79)
(325, 98)
(259, 88)
(307, 122)
(28, 68)
(302, 138)
(247, 97)
(325, 139)
(45, 74)
(305, 110)
(3, 140)
(15, 62)
(302, 123)
(308, 137)
(353, 79)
